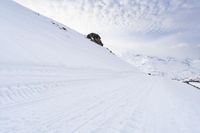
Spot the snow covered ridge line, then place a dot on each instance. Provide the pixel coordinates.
(170, 67)
(184, 70)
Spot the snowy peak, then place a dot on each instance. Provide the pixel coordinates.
(178, 69)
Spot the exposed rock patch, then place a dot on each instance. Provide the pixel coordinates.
(95, 38)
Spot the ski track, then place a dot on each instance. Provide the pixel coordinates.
(103, 102)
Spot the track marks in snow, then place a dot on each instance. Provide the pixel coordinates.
(88, 106)
(108, 110)
(23, 84)
(119, 103)
(18, 94)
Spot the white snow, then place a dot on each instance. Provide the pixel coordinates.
(170, 67)
(56, 81)
(196, 84)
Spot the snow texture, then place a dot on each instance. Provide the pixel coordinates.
(53, 80)
(170, 67)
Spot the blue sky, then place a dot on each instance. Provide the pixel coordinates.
(153, 27)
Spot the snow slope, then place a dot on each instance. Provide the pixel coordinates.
(55, 81)
(28, 38)
(170, 67)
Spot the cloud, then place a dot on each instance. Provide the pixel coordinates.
(131, 15)
(138, 21)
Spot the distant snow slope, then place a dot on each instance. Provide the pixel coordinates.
(54, 80)
(178, 69)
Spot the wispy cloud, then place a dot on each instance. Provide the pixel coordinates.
(132, 15)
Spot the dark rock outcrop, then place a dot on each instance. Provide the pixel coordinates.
(95, 38)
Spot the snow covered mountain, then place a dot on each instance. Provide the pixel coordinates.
(54, 80)
(178, 69)
(169, 67)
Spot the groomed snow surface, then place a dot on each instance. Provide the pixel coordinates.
(55, 81)
(52, 102)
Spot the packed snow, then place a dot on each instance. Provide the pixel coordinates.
(54, 80)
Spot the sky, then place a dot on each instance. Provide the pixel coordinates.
(150, 27)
